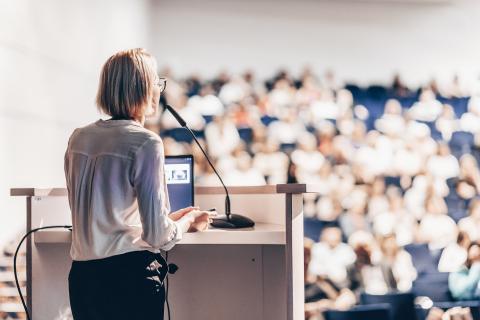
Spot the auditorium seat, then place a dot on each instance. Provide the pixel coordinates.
(458, 214)
(393, 181)
(362, 312)
(460, 105)
(178, 134)
(461, 143)
(423, 260)
(357, 92)
(454, 202)
(246, 134)
(266, 120)
(288, 147)
(433, 285)
(207, 118)
(312, 228)
(182, 135)
(377, 92)
(401, 303)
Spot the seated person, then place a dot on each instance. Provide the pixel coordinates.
(397, 261)
(455, 254)
(464, 283)
(368, 274)
(331, 258)
(320, 292)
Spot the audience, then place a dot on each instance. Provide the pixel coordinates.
(395, 168)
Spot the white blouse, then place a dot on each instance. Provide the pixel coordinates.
(117, 191)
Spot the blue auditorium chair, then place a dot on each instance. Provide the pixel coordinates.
(454, 202)
(178, 134)
(433, 285)
(407, 102)
(460, 105)
(246, 134)
(452, 183)
(266, 120)
(312, 228)
(357, 92)
(423, 260)
(377, 92)
(458, 214)
(461, 143)
(207, 118)
(362, 312)
(288, 147)
(181, 134)
(401, 304)
(393, 181)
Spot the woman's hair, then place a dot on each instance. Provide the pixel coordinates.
(126, 83)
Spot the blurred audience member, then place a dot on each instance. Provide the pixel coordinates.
(464, 283)
(397, 261)
(436, 227)
(321, 293)
(455, 254)
(331, 258)
(428, 108)
(222, 136)
(471, 224)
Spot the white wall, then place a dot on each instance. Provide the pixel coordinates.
(365, 41)
(51, 52)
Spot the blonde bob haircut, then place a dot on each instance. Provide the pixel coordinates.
(126, 84)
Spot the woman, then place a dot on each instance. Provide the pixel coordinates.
(119, 201)
(464, 284)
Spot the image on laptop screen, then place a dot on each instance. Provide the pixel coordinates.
(179, 176)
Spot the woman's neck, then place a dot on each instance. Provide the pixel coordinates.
(140, 120)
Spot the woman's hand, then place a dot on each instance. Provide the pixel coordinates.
(177, 215)
(201, 219)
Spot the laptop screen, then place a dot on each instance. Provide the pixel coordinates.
(179, 175)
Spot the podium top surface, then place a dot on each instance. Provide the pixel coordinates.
(200, 190)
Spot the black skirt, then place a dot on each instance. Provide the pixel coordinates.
(118, 287)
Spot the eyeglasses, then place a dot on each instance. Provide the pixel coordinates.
(162, 83)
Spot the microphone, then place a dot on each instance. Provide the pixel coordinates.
(228, 220)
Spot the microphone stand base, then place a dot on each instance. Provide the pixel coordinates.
(234, 221)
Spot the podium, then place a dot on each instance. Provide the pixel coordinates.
(254, 273)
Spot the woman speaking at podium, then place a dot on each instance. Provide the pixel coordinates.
(119, 200)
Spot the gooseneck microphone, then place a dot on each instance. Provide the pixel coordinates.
(228, 220)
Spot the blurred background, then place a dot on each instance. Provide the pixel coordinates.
(377, 101)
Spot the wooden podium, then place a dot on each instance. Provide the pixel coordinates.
(250, 274)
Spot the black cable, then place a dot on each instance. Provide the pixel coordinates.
(166, 288)
(227, 198)
(15, 262)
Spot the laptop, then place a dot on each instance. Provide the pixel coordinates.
(179, 176)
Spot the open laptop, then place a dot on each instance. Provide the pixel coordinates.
(179, 175)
